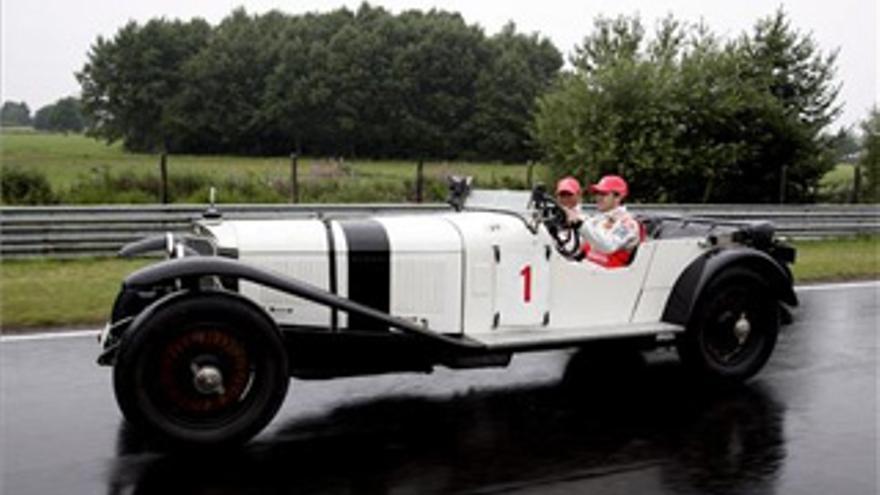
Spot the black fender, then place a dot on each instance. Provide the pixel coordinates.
(133, 323)
(193, 268)
(696, 277)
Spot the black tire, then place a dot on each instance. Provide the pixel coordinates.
(711, 346)
(155, 372)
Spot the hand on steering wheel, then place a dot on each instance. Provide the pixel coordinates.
(555, 218)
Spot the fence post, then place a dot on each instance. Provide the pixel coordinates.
(857, 183)
(782, 180)
(294, 179)
(163, 170)
(420, 179)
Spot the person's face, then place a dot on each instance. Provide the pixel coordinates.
(606, 201)
(567, 199)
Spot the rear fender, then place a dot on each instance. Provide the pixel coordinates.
(696, 277)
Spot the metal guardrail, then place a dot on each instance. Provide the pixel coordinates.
(101, 230)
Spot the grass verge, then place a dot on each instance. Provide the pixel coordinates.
(46, 293)
(837, 259)
(43, 293)
(76, 165)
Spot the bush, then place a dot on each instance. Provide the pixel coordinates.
(102, 186)
(250, 189)
(25, 187)
(354, 191)
(837, 185)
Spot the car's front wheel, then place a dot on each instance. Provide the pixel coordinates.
(733, 329)
(204, 369)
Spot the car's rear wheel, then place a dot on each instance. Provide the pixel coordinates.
(733, 329)
(205, 369)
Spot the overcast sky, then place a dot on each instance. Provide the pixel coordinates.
(45, 41)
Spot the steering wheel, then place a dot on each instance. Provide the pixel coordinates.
(546, 210)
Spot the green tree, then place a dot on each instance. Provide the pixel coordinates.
(357, 83)
(520, 69)
(437, 73)
(846, 145)
(15, 114)
(219, 106)
(65, 115)
(616, 113)
(297, 91)
(42, 117)
(358, 73)
(791, 149)
(869, 161)
(689, 117)
(130, 80)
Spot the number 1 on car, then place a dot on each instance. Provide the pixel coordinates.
(526, 273)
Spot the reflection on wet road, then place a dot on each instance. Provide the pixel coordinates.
(593, 422)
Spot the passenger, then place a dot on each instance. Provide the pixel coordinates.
(610, 237)
(568, 194)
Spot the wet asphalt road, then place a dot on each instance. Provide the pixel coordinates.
(552, 423)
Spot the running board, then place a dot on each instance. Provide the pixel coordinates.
(543, 338)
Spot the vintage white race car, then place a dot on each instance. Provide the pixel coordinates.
(203, 344)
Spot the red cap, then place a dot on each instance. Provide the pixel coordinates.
(609, 184)
(569, 185)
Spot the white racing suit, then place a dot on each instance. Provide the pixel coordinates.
(609, 238)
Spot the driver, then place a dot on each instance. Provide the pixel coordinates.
(611, 236)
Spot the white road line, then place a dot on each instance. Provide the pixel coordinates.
(838, 286)
(49, 336)
(95, 333)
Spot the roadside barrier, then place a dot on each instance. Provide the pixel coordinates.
(76, 231)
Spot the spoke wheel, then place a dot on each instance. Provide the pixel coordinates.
(204, 375)
(733, 329)
(203, 370)
(728, 338)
